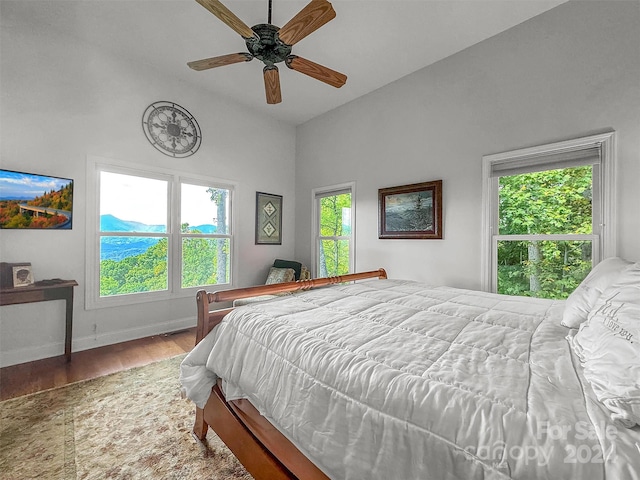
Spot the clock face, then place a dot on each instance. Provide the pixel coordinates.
(171, 129)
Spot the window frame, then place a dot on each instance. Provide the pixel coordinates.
(604, 229)
(316, 195)
(175, 179)
(179, 236)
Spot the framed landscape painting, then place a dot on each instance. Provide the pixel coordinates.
(411, 211)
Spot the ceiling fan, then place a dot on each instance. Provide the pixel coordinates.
(272, 45)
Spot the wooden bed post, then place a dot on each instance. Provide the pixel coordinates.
(202, 301)
(200, 427)
(207, 319)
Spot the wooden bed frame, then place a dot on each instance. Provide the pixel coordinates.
(261, 448)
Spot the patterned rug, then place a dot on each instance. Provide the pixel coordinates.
(128, 425)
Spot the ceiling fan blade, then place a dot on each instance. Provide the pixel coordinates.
(272, 84)
(220, 61)
(306, 21)
(227, 16)
(314, 70)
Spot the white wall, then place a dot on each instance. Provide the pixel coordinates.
(570, 72)
(63, 101)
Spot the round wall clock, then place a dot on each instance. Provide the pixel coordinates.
(171, 129)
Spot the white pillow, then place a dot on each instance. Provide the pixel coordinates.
(583, 298)
(608, 345)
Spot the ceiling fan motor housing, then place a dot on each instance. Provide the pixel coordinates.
(269, 48)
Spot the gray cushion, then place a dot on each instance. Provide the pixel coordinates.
(297, 266)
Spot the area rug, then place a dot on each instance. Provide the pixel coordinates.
(128, 425)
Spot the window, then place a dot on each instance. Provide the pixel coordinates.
(548, 216)
(333, 230)
(155, 234)
(205, 240)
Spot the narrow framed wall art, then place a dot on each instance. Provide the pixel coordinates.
(268, 219)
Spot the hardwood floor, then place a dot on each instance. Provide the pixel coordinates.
(25, 378)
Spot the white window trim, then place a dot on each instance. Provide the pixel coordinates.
(605, 243)
(315, 234)
(92, 267)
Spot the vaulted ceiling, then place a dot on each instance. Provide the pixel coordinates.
(373, 42)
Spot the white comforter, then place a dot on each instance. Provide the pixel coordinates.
(390, 379)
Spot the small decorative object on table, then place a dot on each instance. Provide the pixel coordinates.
(13, 275)
(22, 276)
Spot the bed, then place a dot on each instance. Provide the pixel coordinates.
(354, 377)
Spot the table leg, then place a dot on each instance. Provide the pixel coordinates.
(69, 324)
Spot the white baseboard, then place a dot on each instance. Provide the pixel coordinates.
(22, 355)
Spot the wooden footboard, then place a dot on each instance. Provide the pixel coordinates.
(208, 319)
(260, 447)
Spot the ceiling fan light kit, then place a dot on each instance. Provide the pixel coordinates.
(272, 45)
